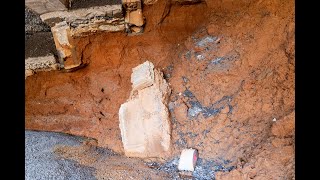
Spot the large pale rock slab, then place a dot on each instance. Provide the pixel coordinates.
(144, 118)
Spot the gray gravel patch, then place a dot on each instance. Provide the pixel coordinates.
(42, 163)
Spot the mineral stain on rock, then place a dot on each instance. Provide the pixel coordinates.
(197, 108)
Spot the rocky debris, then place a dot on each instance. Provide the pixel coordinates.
(45, 63)
(45, 6)
(144, 118)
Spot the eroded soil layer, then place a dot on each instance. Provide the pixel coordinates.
(230, 66)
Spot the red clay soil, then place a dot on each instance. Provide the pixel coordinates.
(233, 59)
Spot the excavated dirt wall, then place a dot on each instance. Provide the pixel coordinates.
(230, 65)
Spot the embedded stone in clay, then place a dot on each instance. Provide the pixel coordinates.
(144, 118)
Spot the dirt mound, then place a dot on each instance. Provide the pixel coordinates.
(230, 66)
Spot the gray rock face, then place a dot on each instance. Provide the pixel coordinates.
(33, 23)
(42, 163)
(39, 44)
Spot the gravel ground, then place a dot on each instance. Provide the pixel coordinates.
(42, 163)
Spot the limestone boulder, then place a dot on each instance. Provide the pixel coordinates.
(144, 118)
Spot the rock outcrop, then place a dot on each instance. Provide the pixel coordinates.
(88, 20)
(144, 118)
(45, 6)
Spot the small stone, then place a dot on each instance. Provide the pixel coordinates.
(188, 159)
(274, 119)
